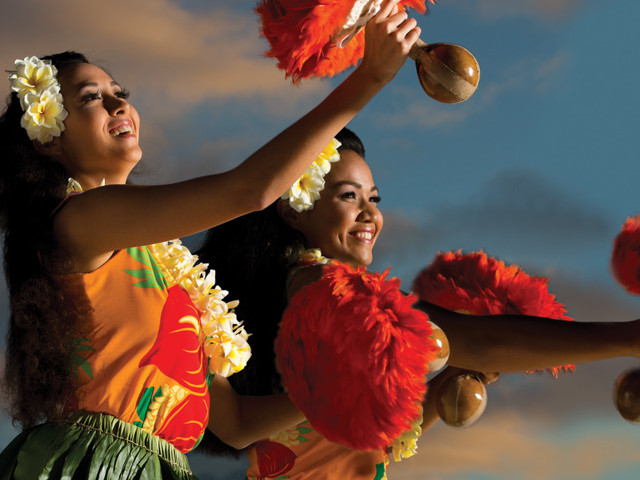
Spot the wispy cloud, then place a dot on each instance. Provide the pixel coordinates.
(507, 446)
(523, 204)
(517, 213)
(414, 109)
(170, 55)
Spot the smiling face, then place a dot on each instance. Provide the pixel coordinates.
(100, 139)
(345, 222)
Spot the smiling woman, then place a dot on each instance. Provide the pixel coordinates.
(118, 341)
(301, 271)
(347, 222)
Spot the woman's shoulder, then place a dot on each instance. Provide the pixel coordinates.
(302, 275)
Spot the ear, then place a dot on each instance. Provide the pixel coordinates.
(51, 149)
(288, 214)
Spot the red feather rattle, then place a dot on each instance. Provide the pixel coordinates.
(324, 37)
(353, 355)
(477, 284)
(625, 268)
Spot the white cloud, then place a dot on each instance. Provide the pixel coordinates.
(508, 446)
(166, 54)
(416, 110)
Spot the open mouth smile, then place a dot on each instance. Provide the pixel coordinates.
(121, 130)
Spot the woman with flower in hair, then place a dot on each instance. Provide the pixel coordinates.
(321, 236)
(118, 341)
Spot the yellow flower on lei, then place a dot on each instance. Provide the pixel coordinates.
(289, 437)
(223, 336)
(406, 445)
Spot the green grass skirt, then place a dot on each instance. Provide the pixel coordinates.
(94, 446)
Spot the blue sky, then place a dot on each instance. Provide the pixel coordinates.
(538, 168)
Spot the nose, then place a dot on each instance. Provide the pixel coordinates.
(368, 211)
(115, 105)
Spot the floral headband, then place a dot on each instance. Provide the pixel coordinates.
(37, 87)
(306, 190)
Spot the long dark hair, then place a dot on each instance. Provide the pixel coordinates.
(252, 256)
(43, 320)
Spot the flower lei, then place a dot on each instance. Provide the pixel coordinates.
(406, 445)
(306, 189)
(223, 337)
(37, 87)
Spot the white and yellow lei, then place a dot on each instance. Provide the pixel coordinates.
(223, 337)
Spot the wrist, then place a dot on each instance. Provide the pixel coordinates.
(371, 77)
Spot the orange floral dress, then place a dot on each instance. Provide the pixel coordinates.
(142, 360)
(301, 453)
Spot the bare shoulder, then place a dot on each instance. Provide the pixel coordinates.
(304, 276)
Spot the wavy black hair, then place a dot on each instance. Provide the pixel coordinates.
(43, 318)
(252, 256)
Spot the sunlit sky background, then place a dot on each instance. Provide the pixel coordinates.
(539, 168)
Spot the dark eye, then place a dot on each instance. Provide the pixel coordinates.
(351, 195)
(124, 93)
(375, 199)
(89, 96)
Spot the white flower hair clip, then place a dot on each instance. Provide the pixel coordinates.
(306, 190)
(37, 87)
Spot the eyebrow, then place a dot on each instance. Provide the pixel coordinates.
(82, 85)
(353, 184)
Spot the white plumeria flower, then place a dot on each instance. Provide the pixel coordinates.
(327, 156)
(304, 193)
(44, 116)
(33, 76)
(73, 186)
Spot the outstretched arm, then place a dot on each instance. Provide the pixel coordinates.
(506, 343)
(115, 217)
(240, 420)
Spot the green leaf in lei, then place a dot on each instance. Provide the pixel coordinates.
(78, 361)
(143, 405)
(151, 277)
(380, 471)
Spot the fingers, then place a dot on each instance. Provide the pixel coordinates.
(397, 23)
(387, 7)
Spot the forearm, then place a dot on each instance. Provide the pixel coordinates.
(518, 342)
(240, 420)
(288, 154)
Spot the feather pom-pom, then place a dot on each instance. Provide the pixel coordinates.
(300, 34)
(353, 354)
(625, 258)
(477, 284)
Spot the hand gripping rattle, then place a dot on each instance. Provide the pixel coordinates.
(324, 37)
